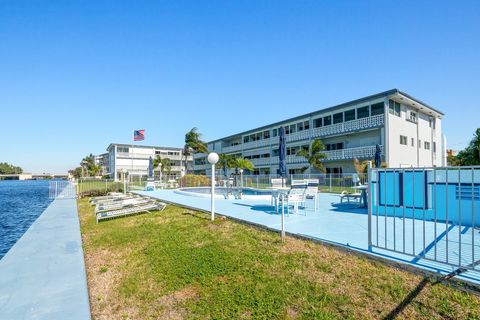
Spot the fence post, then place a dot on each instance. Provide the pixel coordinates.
(257, 182)
(330, 175)
(369, 204)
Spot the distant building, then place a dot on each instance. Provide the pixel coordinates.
(102, 160)
(408, 131)
(135, 159)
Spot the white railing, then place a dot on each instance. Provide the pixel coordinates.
(348, 126)
(229, 149)
(261, 161)
(351, 153)
(147, 156)
(256, 144)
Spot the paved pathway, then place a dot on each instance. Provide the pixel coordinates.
(43, 274)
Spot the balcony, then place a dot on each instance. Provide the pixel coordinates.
(147, 156)
(351, 153)
(367, 152)
(261, 161)
(257, 144)
(230, 149)
(349, 126)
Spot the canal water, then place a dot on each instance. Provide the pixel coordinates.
(21, 203)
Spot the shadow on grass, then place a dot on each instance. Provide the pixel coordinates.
(408, 299)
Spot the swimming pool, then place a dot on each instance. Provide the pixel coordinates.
(204, 192)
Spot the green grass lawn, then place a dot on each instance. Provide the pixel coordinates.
(176, 264)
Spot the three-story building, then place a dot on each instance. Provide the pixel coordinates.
(408, 131)
(134, 160)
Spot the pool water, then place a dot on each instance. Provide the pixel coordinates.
(21, 203)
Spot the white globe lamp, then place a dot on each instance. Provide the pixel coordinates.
(212, 159)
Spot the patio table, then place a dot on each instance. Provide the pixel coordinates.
(277, 193)
(363, 189)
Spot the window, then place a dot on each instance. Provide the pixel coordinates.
(412, 117)
(266, 134)
(394, 108)
(306, 125)
(413, 142)
(334, 146)
(431, 123)
(363, 112)
(403, 140)
(246, 139)
(434, 147)
(300, 126)
(377, 108)
(275, 153)
(317, 123)
(327, 120)
(123, 149)
(292, 128)
(350, 115)
(338, 118)
(274, 132)
(427, 145)
(287, 129)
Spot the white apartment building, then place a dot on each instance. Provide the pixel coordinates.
(408, 131)
(135, 160)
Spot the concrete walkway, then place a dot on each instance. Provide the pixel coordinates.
(43, 274)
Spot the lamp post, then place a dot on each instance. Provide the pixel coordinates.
(241, 179)
(124, 181)
(213, 159)
(160, 165)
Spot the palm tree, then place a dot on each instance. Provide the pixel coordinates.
(164, 162)
(314, 155)
(193, 144)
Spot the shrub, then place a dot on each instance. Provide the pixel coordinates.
(193, 180)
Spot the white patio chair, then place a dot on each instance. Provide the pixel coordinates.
(295, 197)
(311, 192)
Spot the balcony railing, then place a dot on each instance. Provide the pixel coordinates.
(229, 149)
(147, 156)
(343, 154)
(349, 126)
(334, 129)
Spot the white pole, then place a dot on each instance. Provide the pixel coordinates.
(283, 218)
(124, 183)
(131, 154)
(213, 193)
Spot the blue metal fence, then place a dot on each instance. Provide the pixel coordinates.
(429, 213)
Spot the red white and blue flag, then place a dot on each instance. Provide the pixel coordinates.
(138, 135)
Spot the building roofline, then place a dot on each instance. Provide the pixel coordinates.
(143, 146)
(338, 106)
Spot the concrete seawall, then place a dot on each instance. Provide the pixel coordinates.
(43, 274)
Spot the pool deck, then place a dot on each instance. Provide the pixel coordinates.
(343, 225)
(43, 275)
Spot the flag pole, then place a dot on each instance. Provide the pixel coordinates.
(130, 176)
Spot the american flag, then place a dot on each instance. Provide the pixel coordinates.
(138, 135)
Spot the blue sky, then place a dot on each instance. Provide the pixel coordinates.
(77, 75)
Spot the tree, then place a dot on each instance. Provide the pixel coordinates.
(193, 144)
(76, 173)
(236, 163)
(90, 169)
(165, 162)
(6, 168)
(314, 155)
(470, 156)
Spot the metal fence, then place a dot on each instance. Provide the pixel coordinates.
(62, 190)
(334, 183)
(98, 185)
(427, 213)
